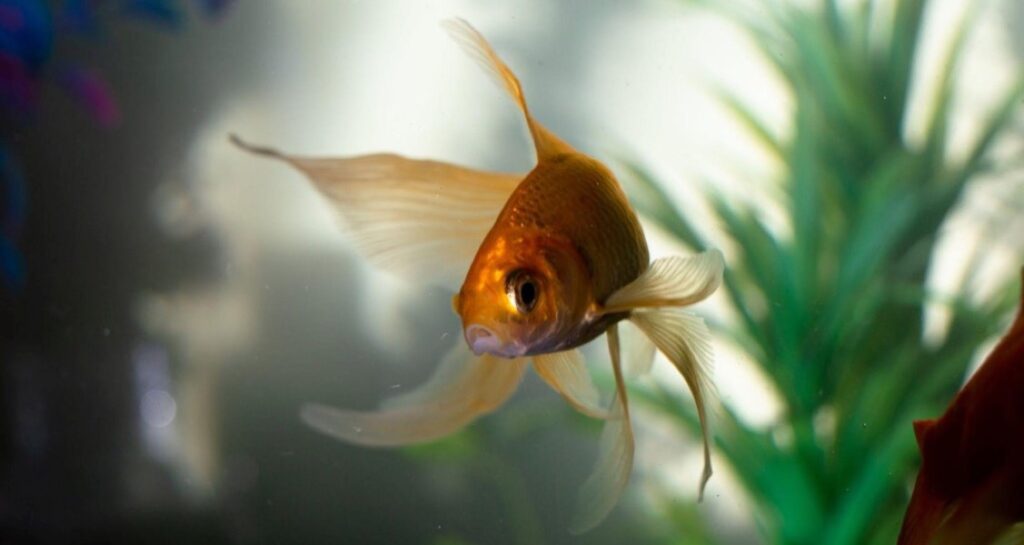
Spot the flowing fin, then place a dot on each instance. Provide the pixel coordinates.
(1013, 536)
(671, 282)
(417, 218)
(685, 340)
(602, 489)
(567, 373)
(455, 366)
(463, 388)
(547, 144)
(639, 351)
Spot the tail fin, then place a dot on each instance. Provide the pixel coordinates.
(547, 144)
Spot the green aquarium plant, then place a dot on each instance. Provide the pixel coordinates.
(833, 310)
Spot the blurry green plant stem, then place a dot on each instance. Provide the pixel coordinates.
(833, 311)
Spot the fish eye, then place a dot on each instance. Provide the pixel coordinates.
(521, 288)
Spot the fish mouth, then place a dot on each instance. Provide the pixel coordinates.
(482, 340)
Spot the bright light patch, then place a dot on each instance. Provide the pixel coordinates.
(158, 408)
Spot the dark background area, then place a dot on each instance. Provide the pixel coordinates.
(75, 462)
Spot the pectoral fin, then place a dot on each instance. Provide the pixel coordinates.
(685, 340)
(567, 373)
(417, 218)
(671, 282)
(463, 388)
(602, 489)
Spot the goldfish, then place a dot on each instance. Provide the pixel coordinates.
(970, 489)
(541, 263)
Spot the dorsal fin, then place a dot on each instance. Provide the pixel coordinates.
(546, 143)
(921, 427)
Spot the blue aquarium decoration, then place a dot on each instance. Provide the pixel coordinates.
(28, 31)
(164, 12)
(13, 202)
(91, 91)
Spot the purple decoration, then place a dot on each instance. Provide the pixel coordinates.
(91, 92)
(18, 89)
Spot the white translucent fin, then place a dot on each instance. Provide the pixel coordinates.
(1013, 536)
(602, 489)
(420, 219)
(685, 341)
(671, 282)
(460, 391)
(547, 144)
(567, 373)
(638, 351)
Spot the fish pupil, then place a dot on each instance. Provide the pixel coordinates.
(522, 289)
(527, 294)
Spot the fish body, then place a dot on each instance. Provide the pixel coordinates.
(970, 489)
(540, 263)
(568, 226)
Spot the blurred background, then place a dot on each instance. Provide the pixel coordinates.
(168, 303)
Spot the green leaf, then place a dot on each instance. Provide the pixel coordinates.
(752, 122)
(652, 201)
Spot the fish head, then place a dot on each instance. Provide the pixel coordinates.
(525, 293)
